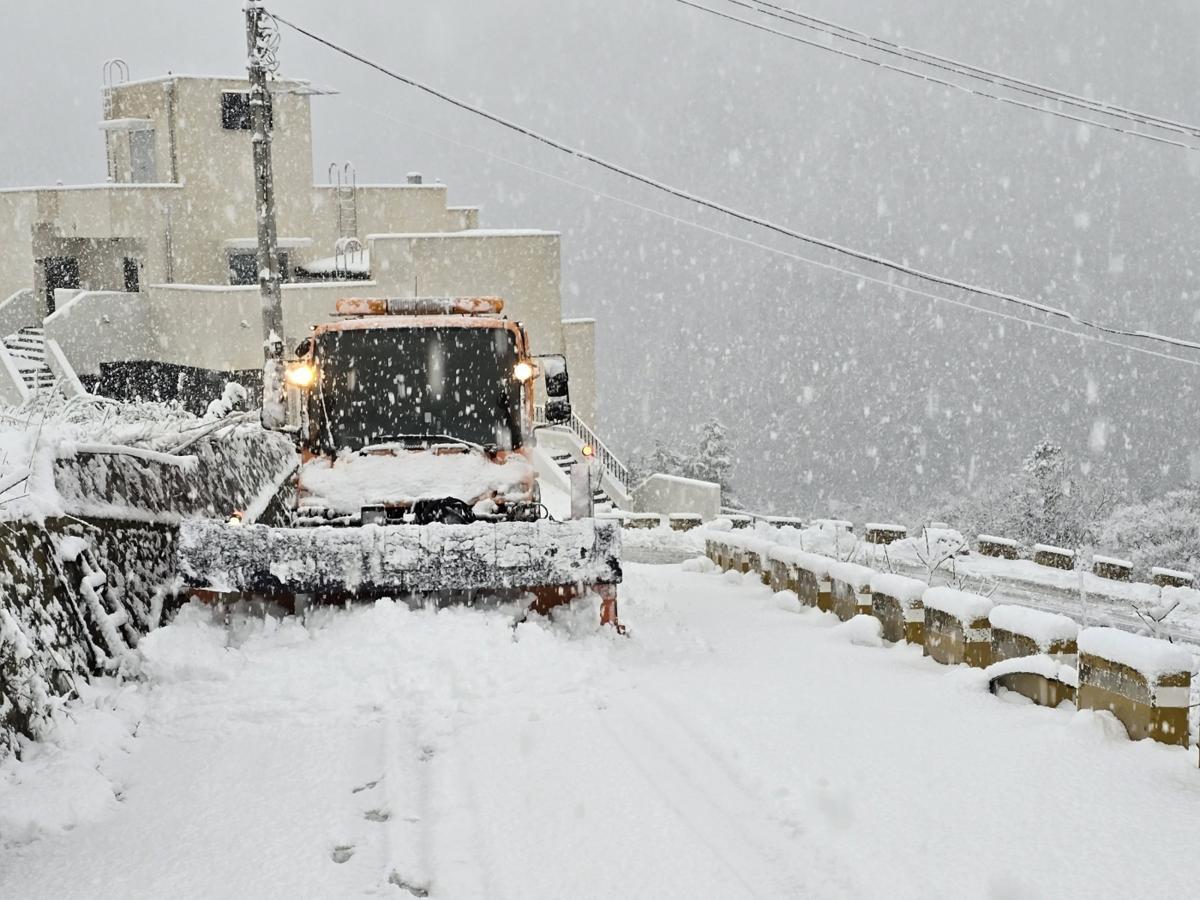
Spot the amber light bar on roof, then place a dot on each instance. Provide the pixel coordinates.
(419, 306)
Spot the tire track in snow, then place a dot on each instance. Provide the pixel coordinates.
(789, 830)
(693, 796)
(404, 861)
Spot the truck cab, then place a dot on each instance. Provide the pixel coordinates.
(419, 411)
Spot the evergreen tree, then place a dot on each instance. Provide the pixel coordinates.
(1043, 502)
(713, 460)
(665, 461)
(1047, 487)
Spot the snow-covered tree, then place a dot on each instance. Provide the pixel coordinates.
(712, 460)
(1044, 502)
(662, 460)
(1163, 532)
(1047, 497)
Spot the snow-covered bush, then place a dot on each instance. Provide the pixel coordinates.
(1164, 531)
(1044, 502)
(712, 460)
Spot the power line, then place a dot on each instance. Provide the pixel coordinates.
(748, 218)
(849, 273)
(943, 62)
(941, 82)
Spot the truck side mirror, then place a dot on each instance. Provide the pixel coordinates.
(557, 382)
(558, 411)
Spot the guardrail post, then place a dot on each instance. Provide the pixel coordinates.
(957, 629)
(896, 603)
(1144, 682)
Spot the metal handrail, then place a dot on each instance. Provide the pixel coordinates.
(608, 460)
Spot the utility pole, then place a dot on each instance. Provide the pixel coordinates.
(261, 44)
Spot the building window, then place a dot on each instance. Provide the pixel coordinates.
(243, 267)
(132, 279)
(235, 111)
(143, 168)
(61, 273)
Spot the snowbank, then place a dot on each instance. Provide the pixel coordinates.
(865, 631)
(1149, 656)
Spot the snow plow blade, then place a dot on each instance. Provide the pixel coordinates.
(374, 561)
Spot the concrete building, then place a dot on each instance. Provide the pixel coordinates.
(145, 287)
(147, 284)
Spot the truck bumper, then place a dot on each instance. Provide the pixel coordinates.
(392, 560)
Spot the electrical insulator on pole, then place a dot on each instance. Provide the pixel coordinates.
(261, 46)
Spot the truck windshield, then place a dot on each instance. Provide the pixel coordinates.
(417, 385)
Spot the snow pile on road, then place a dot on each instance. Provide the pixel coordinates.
(865, 631)
(59, 782)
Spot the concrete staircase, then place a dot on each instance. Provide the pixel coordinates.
(28, 349)
(567, 462)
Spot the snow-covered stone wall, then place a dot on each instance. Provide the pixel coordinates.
(73, 597)
(88, 554)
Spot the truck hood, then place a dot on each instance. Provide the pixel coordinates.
(401, 477)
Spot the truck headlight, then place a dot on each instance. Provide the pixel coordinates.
(301, 375)
(522, 371)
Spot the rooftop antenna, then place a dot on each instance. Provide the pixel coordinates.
(262, 62)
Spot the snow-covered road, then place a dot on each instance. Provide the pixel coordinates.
(735, 745)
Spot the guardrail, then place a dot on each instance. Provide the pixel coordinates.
(1145, 682)
(608, 460)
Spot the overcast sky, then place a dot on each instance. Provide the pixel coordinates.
(837, 391)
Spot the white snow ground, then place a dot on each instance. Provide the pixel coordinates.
(735, 745)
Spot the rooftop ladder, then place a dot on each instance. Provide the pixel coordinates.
(345, 194)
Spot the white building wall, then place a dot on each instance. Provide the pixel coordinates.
(579, 345)
(96, 327)
(522, 267)
(179, 232)
(17, 215)
(666, 494)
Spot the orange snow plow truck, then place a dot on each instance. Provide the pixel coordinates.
(415, 424)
